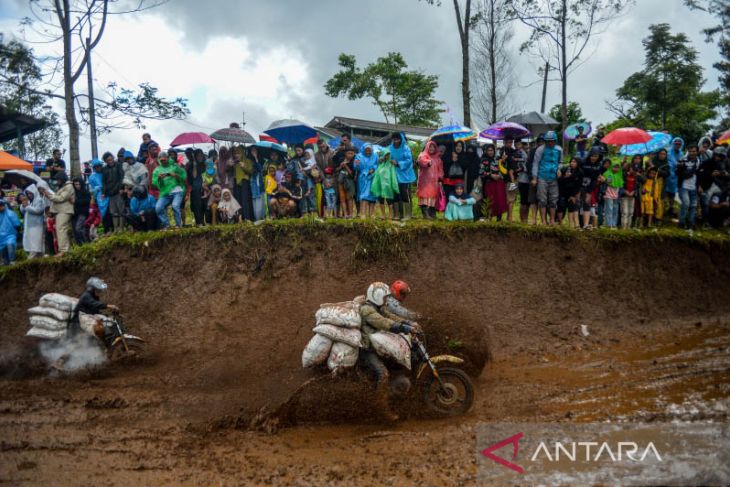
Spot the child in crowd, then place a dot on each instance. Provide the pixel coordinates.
(614, 179)
(329, 187)
(229, 211)
(51, 240)
(93, 220)
(649, 196)
(460, 206)
(628, 197)
(270, 185)
(385, 184)
(142, 215)
(570, 180)
(214, 200)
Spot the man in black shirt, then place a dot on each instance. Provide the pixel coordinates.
(89, 304)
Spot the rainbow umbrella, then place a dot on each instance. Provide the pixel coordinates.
(659, 140)
(571, 133)
(724, 138)
(504, 130)
(453, 133)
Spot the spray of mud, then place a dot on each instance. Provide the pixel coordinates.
(78, 353)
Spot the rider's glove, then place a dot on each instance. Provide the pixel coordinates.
(401, 328)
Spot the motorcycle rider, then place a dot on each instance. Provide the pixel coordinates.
(374, 320)
(399, 291)
(89, 303)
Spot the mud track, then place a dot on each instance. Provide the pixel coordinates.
(227, 319)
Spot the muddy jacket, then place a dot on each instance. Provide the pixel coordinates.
(373, 321)
(394, 310)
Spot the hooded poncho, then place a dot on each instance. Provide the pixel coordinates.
(385, 181)
(364, 165)
(403, 157)
(431, 171)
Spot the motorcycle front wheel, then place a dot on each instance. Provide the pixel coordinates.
(134, 348)
(454, 398)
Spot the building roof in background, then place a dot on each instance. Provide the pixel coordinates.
(378, 129)
(12, 122)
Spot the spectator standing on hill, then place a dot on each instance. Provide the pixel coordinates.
(545, 176)
(400, 155)
(170, 179)
(9, 225)
(687, 170)
(62, 208)
(82, 202)
(112, 187)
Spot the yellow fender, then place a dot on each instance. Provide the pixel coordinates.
(437, 360)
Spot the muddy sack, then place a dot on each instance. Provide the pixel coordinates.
(349, 336)
(346, 314)
(316, 351)
(54, 313)
(58, 301)
(46, 334)
(342, 356)
(392, 346)
(46, 323)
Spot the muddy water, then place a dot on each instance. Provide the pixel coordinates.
(119, 432)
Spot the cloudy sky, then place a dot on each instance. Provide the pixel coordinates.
(270, 58)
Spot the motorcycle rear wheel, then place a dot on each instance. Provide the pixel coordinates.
(455, 398)
(118, 352)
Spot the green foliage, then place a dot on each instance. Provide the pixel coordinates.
(20, 81)
(405, 96)
(667, 93)
(575, 114)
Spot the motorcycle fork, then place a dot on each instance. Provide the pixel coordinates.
(434, 370)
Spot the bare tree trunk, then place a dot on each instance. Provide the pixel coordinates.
(564, 68)
(464, 28)
(544, 87)
(493, 61)
(64, 16)
(92, 108)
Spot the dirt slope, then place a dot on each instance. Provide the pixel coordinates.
(228, 315)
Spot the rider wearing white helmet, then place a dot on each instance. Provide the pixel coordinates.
(89, 303)
(373, 321)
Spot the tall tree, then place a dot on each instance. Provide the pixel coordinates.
(667, 93)
(402, 96)
(493, 69)
(561, 31)
(79, 26)
(720, 10)
(465, 21)
(22, 95)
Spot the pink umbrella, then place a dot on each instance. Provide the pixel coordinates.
(189, 138)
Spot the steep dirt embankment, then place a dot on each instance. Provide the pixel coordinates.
(228, 313)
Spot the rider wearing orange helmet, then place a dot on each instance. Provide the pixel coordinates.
(399, 290)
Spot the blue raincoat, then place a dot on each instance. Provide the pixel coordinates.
(402, 155)
(95, 184)
(365, 167)
(670, 182)
(9, 225)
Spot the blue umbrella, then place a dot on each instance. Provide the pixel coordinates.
(266, 147)
(571, 133)
(659, 140)
(335, 143)
(453, 133)
(290, 131)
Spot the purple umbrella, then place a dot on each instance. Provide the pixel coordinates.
(505, 130)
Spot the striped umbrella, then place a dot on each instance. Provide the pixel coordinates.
(453, 133)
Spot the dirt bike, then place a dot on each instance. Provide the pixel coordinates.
(444, 389)
(115, 339)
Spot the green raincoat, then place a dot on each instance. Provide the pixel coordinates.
(385, 180)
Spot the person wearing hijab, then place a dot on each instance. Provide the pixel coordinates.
(210, 178)
(460, 206)
(308, 204)
(495, 191)
(9, 225)
(400, 155)
(366, 162)
(216, 192)
(258, 192)
(455, 168)
(33, 210)
(242, 179)
(614, 180)
(431, 172)
(195, 168)
(385, 184)
(224, 167)
(63, 208)
(82, 201)
(229, 211)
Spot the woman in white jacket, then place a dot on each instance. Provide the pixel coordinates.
(34, 224)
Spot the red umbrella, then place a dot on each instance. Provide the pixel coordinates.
(268, 138)
(626, 136)
(188, 138)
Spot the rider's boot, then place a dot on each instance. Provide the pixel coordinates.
(381, 400)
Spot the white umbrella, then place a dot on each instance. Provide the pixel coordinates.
(26, 174)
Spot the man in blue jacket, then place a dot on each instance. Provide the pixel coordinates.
(548, 159)
(400, 155)
(9, 225)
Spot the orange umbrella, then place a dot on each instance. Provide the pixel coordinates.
(724, 138)
(9, 161)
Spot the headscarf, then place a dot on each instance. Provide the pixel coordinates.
(310, 161)
(213, 198)
(614, 179)
(427, 156)
(231, 205)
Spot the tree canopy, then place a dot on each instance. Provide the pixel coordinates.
(667, 93)
(575, 114)
(403, 96)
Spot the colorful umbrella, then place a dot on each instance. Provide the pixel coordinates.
(453, 133)
(232, 134)
(189, 138)
(626, 136)
(724, 138)
(9, 161)
(659, 140)
(504, 130)
(290, 131)
(335, 143)
(265, 148)
(571, 133)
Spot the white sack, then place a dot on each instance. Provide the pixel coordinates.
(87, 322)
(54, 313)
(342, 356)
(46, 323)
(58, 301)
(47, 334)
(392, 346)
(351, 336)
(316, 351)
(345, 314)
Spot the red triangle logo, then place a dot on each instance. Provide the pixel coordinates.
(514, 440)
